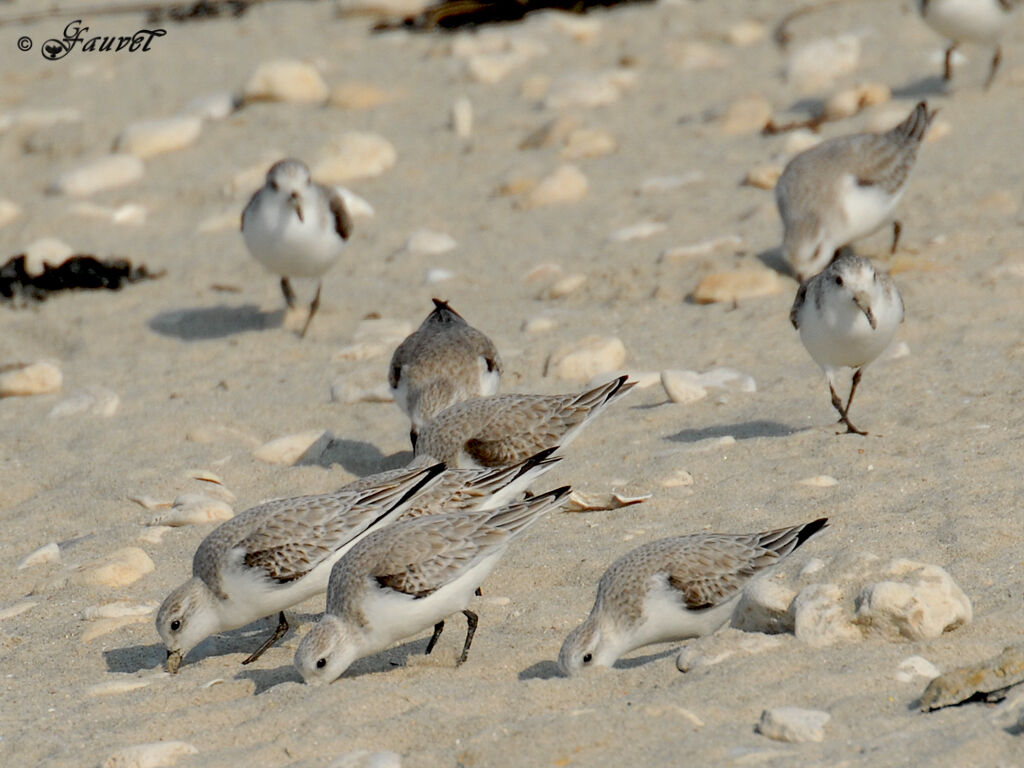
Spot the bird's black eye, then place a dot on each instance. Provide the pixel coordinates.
(273, 186)
(587, 658)
(839, 281)
(321, 663)
(175, 625)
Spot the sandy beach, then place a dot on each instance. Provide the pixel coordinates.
(656, 109)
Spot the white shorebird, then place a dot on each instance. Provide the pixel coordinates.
(674, 589)
(504, 429)
(445, 361)
(280, 553)
(847, 315)
(844, 189)
(969, 21)
(408, 577)
(296, 228)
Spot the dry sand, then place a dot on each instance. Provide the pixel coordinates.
(942, 486)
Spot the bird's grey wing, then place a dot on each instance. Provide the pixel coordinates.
(342, 219)
(885, 159)
(711, 571)
(248, 206)
(431, 552)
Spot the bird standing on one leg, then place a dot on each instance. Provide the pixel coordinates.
(296, 228)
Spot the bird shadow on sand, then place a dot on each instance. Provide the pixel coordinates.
(135, 658)
(743, 431)
(204, 323)
(264, 679)
(774, 260)
(356, 456)
(638, 661)
(932, 85)
(542, 670)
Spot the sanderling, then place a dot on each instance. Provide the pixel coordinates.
(969, 21)
(296, 228)
(275, 555)
(407, 577)
(673, 589)
(844, 189)
(847, 315)
(504, 429)
(279, 553)
(445, 361)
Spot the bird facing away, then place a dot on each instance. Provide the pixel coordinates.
(407, 577)
(847, 315)
(674, 589)
(503, 429)
(296, 228)
(844, 189)
(445, 361)
(969, 21)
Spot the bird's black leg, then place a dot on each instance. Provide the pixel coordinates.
(471, 622)
(312, 310)
(282, 627)
(947, 73)
(897, 230)
(433, 638)
(996, 58)
(838, 405)
(289, 294)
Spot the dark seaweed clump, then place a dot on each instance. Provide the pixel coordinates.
(80, 272)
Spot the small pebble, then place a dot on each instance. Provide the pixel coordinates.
(17, 609)
(94, 401)
(27, 379)
(148, 138)
(355, 155)
(118, 609)
(462, 117)
(799, 141)
(681, 479)
(9, 211)
(154, 534)
(437, 275)
(656, 185)
(48, 553)
(129, 213)
(585, 142)
(566, 185)
(539, 325)
(820, 481)
(565, 286)
(427, 242)
(816, 65)
(763, 176)
(589, 357)
(683, 386)
(212, 106)
(793, 724)
(916, 666)
(639, 231)
(542, 272)
(289, 449)
(737, 284)
(285, 80)
(747, 116)
(155, 755)
(101, 627)
(47, 251)
(365, 759)
(194, 509)
(589, 90)
(358, 96)
(103, 173)
(703, 249)
(744, 33)
(122, 567)
(551, 133)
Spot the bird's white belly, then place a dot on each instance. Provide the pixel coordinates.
(976, 21)
(394, 616)
(665, 620)
(289, 247)
(489, 380)
(863, 209)
(844, 337)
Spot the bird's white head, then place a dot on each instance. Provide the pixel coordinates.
(805, 248)
(327, 651)
(853, 277)
(290, 178)
(186, 617)
(586, 646)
